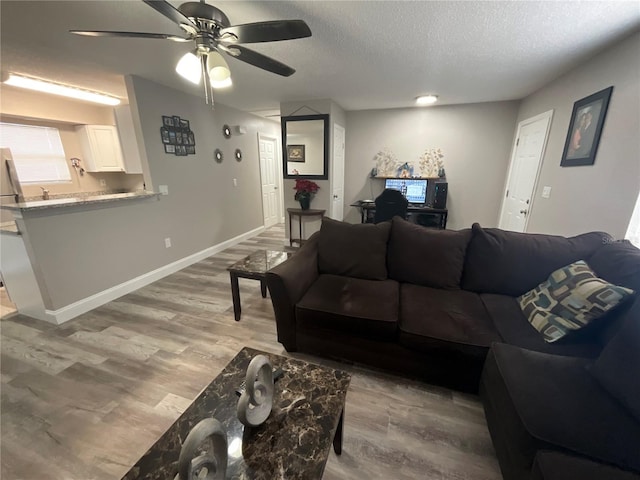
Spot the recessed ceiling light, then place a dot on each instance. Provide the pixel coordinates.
(59, 89)
(426, 99)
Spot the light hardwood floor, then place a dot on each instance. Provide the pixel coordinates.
(84, 400)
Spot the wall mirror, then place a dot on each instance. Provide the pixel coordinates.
(305, 146)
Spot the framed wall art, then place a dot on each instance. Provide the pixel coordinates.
(295, 153)
(585, 128)
(177, 137)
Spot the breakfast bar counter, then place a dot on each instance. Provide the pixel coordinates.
(78, 200)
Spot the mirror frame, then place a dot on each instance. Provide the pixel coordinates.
(303, 118)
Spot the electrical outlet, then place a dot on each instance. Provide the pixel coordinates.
(546, 192)
(235, 182)
(164, 189)
(167, 242)
(103, 182)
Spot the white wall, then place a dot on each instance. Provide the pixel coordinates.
(475, 139)
(601, 196)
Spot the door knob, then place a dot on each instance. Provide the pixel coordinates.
(335, 196)
(275, 188)
(524, 212)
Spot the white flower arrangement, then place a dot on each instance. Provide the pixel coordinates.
(386, 163)
(431, 163)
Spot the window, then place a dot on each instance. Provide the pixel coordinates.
(633, 232)
(37, 153)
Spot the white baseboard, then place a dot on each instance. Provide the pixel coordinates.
(64, 314)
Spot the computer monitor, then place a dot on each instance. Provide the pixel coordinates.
(414, 190)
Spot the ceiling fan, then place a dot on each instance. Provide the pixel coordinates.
(213, 34)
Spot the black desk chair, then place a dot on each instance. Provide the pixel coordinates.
(389, 204)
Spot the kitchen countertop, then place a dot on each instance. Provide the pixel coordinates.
(9, 228)
(77, 201)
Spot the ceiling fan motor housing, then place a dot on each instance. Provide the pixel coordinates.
(198, 10)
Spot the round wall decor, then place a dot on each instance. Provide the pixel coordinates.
(226, 131)
(238, 154)
(218, 156)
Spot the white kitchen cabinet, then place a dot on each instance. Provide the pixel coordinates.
(128, 141)
(101, 148)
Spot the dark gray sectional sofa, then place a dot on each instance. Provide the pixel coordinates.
(435, 304)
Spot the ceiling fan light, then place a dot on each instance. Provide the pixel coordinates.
(219, 73)
(189, 68)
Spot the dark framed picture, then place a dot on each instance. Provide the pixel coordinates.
(295, 153)
(181, 150)
(192, 138)
(191, 149)
(585, 128)
(167, 121)
(164, 133)
(172, 137)
(170, 149)
(184, 124)
(176, 121)
(185, 139)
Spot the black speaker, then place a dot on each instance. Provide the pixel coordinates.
(440, 194)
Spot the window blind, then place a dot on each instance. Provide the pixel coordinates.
(37, 153)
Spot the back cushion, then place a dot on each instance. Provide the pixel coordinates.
(353, 250)
(423, 256)
(617, 367)
(618, 263)
(512, 263)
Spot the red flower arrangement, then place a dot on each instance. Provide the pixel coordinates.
(305, 188)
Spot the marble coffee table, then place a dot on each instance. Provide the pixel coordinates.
(253, 266)
(292, 444)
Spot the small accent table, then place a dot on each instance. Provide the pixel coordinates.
(253, 266)
(293, 443)
(298, 212)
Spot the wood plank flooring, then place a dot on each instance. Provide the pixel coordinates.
(84, 400)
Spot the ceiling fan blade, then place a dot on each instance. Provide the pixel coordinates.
(171, 12)
(100, 33)
(258, 60)
(267, 31)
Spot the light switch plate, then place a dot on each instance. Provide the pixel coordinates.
(546, 192)
(164, 189)
(167, 242)
(235, 182)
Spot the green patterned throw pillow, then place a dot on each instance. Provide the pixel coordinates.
(569, 299)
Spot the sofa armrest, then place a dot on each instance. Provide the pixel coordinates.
(288, 282)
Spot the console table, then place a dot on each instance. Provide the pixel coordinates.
(420, 215)
(298, 212)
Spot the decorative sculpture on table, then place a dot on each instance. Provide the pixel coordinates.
(256, 402)
(204, 452)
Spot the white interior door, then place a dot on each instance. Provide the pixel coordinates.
(531, 139)
(337, 174)
(267, 148)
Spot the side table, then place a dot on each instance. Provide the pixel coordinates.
(298, 212)
(254, 267)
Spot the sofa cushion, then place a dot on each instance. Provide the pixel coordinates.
(551, 465)
(358, 251)
(512, 263)
(552, 402)
(617, 369)
(366, 307)
(424, 256)
(515, 330)
(571, 298)
(618, 263)
(432, 319)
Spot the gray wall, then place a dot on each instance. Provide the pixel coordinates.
(476, 140)
(78, 252)
(602, 196)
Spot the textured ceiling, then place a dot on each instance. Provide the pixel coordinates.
(363, 55)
